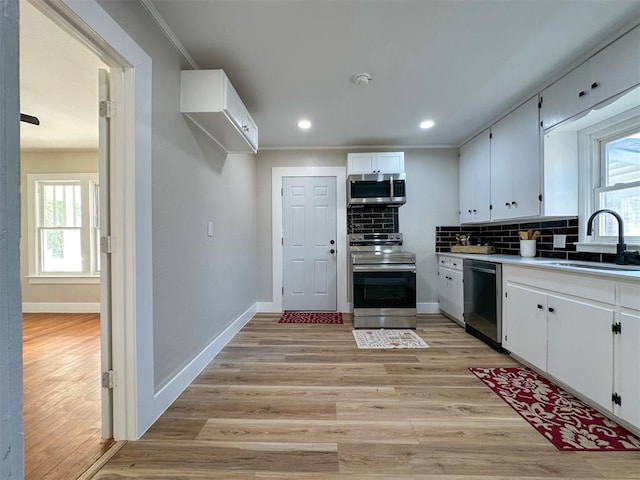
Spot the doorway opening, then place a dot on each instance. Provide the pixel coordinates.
(63, 198)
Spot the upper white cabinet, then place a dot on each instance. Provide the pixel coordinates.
(375, 162)
(475, 179)
(608, 73)
(515, 164)
(209, 100)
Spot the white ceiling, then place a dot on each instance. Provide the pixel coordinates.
(460, 63)
(58, 84)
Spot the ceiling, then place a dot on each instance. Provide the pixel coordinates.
(460, 63)
(58, 84)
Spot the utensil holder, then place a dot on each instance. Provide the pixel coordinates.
(527, 248)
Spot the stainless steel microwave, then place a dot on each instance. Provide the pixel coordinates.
(377, 189)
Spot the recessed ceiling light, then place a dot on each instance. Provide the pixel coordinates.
(427, 124)
(304, 124)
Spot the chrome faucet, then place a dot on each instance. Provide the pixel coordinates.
(622, 254)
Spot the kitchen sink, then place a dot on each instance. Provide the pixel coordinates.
(606, 267)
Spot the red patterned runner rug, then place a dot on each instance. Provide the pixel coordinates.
(565, 421)
(311, 317)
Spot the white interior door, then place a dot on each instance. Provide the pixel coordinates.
(104, 233)
(309, 243)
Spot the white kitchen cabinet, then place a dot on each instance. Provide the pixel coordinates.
(450, 288)
(515, 164)
(580, 346)
(375, 162)
(581, 330)
(475, 179)
(525, 332)
(627, 359)
(208, 99)
(611, 71)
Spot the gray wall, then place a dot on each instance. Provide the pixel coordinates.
(11, 431)
(432, 199)
(432, 191)
(53, 162)
(200, 284)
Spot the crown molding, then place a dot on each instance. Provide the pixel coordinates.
(170, 34)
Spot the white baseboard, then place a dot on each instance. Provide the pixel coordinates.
(428, 307)
(267, 307)
(60, 307)
(172, 390)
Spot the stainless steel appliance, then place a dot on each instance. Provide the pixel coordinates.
(483, 301)
(383, 281)
(377, 189)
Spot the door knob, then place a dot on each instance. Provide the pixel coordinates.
(332, 242)
(332, 251)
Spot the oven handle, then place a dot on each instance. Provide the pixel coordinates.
(388, 267)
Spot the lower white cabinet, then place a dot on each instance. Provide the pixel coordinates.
(580, 346)
(526, 309)
(450, 288)
(581, 330)
(627, 358)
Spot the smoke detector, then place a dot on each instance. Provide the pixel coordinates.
(361, 78)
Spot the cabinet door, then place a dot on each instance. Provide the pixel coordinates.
(250, 129)
(475, 171)
(628, 360)
(525, 324)
(482, 178)
(233, 105)
(444, 290)
(466, 182)
(616, 68)
(360, 163)
(515, 164)
(389, 162)
(457, 295)
(566, 97)
(580, 346)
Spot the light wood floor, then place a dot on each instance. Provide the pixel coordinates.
(301, 402)
(61, 395)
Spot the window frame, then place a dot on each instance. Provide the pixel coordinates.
(592, 174)
(89, 242)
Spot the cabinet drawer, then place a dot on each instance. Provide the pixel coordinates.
(629, 295)
(444, 261)
(577, 285)
(455, 264)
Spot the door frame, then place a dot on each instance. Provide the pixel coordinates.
(340, 174)
(131, 227)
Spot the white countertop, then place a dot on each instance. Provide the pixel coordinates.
(620, 272)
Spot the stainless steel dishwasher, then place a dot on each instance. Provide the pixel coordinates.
(483, 301)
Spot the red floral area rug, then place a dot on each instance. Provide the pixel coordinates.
(311, 317)
(565, 421)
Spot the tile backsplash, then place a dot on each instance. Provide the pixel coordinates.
(370, 219)
(506, 240)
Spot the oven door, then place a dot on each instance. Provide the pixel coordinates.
(384, 289)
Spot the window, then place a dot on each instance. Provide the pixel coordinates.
(64, 228)
(618, 189)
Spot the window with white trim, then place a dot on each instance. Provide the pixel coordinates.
(619, 188)
(64, 228)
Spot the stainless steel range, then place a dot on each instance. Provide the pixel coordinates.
(383, 281)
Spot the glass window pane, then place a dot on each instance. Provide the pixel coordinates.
(61, 250)
(623, 160)
(626, 202)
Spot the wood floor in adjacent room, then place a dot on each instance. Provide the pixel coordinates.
(62, 417)
(301, 402)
